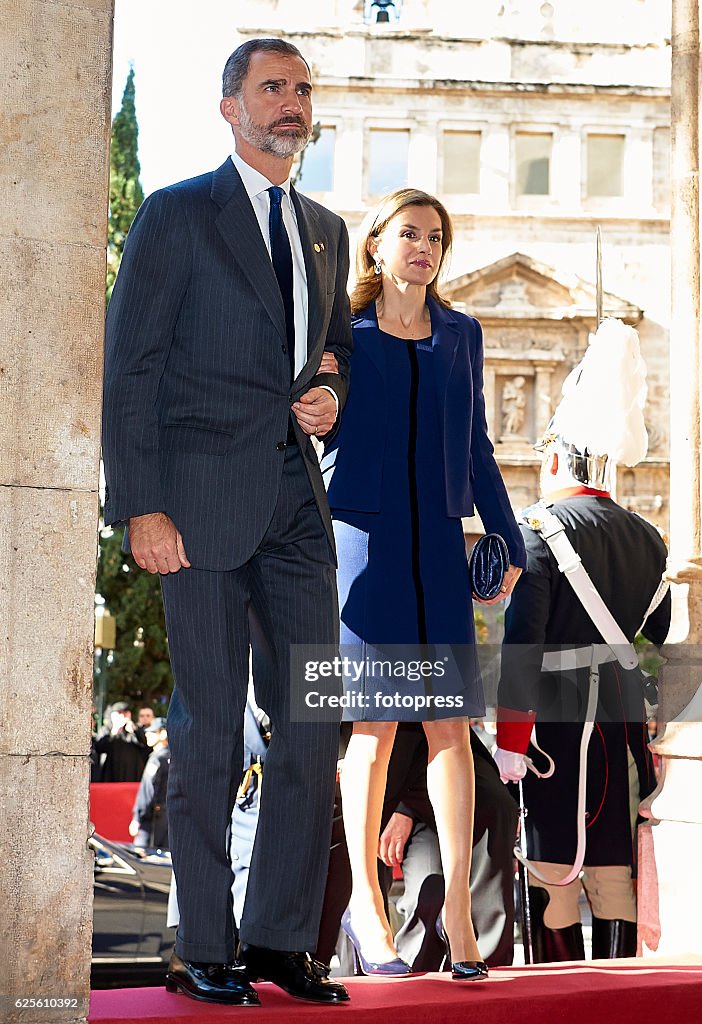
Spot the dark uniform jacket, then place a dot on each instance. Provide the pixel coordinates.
(625, 558)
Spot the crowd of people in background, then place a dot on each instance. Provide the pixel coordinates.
(119, 749)
(124, 750)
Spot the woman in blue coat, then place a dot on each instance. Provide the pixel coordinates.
(410, 458)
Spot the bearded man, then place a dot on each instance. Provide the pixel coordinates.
(231, 290)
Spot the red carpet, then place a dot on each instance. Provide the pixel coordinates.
(622, 991)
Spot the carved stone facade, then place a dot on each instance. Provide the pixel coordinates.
(536, 323)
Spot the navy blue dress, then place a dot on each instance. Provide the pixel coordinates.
(404, 592)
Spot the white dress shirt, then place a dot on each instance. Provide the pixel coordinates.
(257, 185)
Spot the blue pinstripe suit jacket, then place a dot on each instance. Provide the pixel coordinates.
(197, 382)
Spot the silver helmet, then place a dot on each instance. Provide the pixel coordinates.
(599, 421)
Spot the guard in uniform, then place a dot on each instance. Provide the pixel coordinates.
(598, 423)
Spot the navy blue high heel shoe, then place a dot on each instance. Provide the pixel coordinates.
(469, 970)
(396, 968)
(462, 970)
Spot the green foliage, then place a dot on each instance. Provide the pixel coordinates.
(489, 621)
(126, 193)
(649, 658)
(482, 630)
(140, 670)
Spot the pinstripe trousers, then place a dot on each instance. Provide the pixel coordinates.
(289, 582)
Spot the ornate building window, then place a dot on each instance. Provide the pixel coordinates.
(605, 165)
(533, 163)
(461, 163)
(388, 149)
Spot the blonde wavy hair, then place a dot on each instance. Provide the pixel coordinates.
(369, 285)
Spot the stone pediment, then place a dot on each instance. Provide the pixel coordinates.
(521, 288)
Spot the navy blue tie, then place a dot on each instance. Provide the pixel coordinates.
(281, 256)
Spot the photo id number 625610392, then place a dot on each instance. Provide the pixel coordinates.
(46, 1002)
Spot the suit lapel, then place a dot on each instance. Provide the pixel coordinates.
(367, 323)
(240, 230)
(311, 234)
(444, 343)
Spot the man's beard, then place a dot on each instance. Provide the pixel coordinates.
(262, 136)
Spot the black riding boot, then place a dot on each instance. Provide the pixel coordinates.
(552, 945)
(611, 939)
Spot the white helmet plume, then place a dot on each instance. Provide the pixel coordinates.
(601, 411)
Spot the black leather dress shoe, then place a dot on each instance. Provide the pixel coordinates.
(211, 983)
(296, 973)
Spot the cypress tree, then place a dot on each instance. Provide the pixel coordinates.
(126, 193)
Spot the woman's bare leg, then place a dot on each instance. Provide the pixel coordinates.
(451, 787)
(363, 779)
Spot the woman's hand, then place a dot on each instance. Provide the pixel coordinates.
(328, 363)
(508, 583)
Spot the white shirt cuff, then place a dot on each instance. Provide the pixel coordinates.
(336, 397)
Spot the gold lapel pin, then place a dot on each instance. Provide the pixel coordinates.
(319, 246)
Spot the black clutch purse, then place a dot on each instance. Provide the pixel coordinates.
(487, 564)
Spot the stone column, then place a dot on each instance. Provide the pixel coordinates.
(56, 60)
(423, 156)
(495, 163)
(348, 165)
(543, 400)
(670, 887)
(567, 162)
(489, 393)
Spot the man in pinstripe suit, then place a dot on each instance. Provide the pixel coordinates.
(232, 289)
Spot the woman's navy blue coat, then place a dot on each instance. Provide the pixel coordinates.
(353, 459)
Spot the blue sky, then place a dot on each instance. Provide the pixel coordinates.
(178, 49)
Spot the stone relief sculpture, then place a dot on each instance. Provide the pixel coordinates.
(513, 406)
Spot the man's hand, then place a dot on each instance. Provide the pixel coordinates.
(156, 544)
(391, 848)
(316, 411)
(508, 582)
